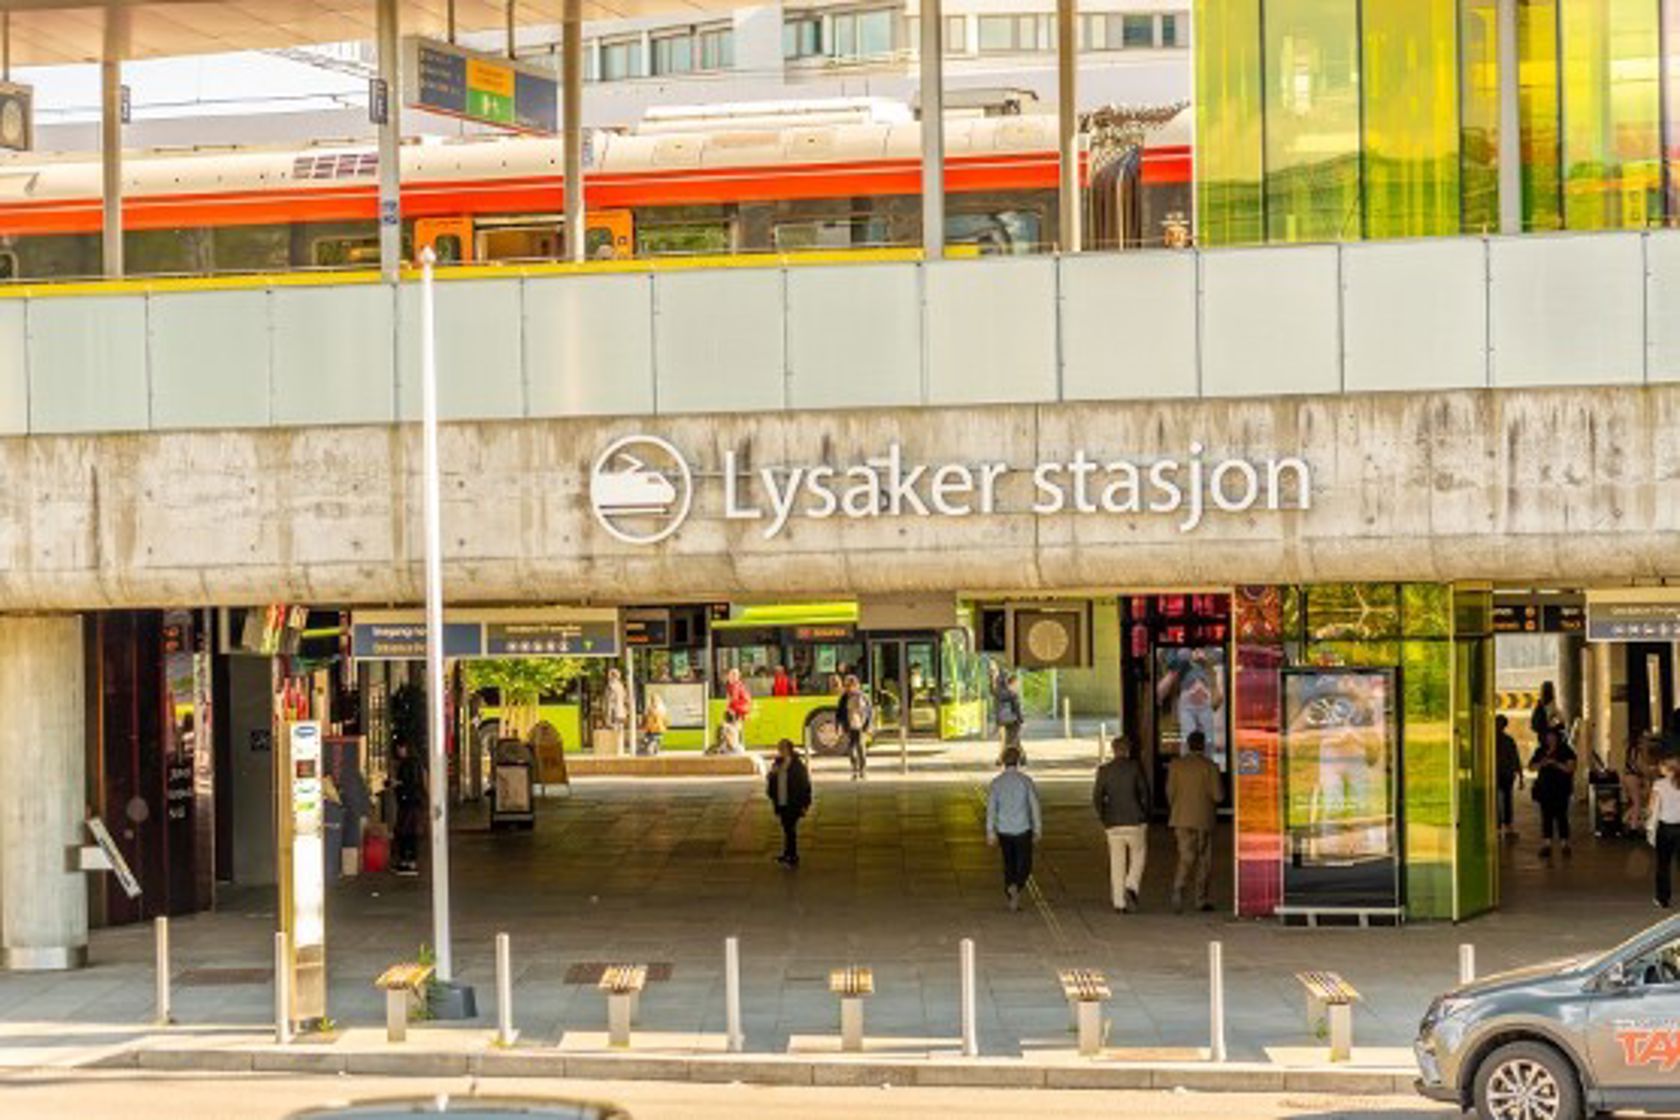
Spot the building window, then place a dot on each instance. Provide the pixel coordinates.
(717, 48)
(1137, 31)
(621, 59)
(802, 37)
(862, 34)
(673, 54)
(956, 35)
(1175, 30)
(1016, 33)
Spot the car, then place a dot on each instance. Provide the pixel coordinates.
(465, 1107)
(1563, 1040)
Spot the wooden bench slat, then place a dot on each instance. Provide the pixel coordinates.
(622, 979)
(411, 977)
(853, 981)
(1328, 986)
(1084, 985)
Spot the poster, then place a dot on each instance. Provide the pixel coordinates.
(685, 704)
(1339, 756)
(1190, 696)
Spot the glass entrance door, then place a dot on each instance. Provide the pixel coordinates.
(904, 678)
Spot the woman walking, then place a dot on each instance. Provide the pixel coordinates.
(789, 789)
(1554, 788)
(1664, 827)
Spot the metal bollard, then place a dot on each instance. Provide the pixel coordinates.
(282, 991)
(970, 1026)
(165, 1010)
(1216, 1001)
(1466, 963)
(736, 1040)
(505, 1034)
(1067, 717)
(1102, 741)
(904, 742)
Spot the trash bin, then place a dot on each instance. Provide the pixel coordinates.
(1609, 809)
(513, 785)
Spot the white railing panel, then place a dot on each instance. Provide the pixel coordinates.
(854, 336)
(334, 351)
(588, 345)
(991, 331)
(479, 355)
(1269, 321)
(1128, 324)
(14, 367)
(718, 340)
(87, 364)
(1568, 310)
(210, 360)
(1662, 305)
(1415, 315)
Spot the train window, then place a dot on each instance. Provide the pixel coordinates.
(447, 248)
(682, 239)
(531, 242)
(59, 256)
(167, 252)
(251, 248)
(8, 265)
(835, 233)
(996, 234)
(346, 252)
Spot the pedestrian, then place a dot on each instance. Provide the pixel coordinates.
(1554, 764)
(1121, 798)
(409, 782)
(730, 739)
(1193, 797)
(1508, 775)
(856, 716)
(1639, 768)
(1010, 716)
(1546, 715)
(737, 698)
(617, 705)
(1013, 822)
(781, 685)
(789, 788)
(655, 722)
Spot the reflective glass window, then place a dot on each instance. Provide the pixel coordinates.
(1228, 122)
(875, 33)
(1312, 120)
(1479, 115)
(1538, 100)
(1411, 118)
(1610, 113)
(1137, 30)
(1172, 30)
(997, 33)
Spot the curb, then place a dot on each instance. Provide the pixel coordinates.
(1229, 1077)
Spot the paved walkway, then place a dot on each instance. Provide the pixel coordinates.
(896, 872)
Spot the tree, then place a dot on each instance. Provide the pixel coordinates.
(522, 683)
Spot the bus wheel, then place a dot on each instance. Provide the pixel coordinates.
(822, 734)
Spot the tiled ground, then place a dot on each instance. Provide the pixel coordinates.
(896, 872)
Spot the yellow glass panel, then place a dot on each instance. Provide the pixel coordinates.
(1612, 179)
(1312, 120)
(1228, 122)
(1538, 97)
(1479, 114)
(1411, 118)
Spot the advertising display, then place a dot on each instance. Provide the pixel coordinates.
(685, 704)
(1340, 740)
(1190, 696)
(303, 866)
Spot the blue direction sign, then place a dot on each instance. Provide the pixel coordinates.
(406, 641)
(551, 639)
(1653, 621)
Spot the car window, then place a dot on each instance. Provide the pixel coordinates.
(1657, 967)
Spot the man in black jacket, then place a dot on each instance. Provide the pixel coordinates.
(789, 789)
(1121, 798)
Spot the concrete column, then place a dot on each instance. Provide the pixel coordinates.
(110, 139)
(571, 127)
(933, 130)
(390, 144)
(1510, 122)
(43, 760)
(1603, 713)
(1067, 121)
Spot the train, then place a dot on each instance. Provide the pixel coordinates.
(694, 186)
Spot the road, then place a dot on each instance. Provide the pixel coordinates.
(131, 1096)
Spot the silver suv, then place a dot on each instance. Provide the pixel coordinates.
(1563, 1040)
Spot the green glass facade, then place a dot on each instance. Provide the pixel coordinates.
(1335, 120)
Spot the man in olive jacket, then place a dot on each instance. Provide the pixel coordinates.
(1193, 794)
(1121, 798)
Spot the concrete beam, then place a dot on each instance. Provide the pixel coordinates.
(1567, 487)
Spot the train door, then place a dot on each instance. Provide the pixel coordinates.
(450, 239)
(904, 682)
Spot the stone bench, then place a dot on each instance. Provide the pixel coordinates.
(404, 986)
(1086, 990)
(851, 984)
(1330, 1001)
(623, 984)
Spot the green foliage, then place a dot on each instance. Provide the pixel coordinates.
(522, 681)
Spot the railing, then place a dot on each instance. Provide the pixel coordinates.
(560, 340)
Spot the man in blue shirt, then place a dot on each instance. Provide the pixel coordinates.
(1013, 822)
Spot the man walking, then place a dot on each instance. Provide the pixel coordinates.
(1010, 715)
(1013, 822)
(1193, 795)
(857, 719)
(788, 785)
(1121, 798)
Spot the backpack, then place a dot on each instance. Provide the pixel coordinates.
(857, 713)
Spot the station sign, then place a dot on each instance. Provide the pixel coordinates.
(647, 629)
(400, 635)
(17, 117)
(1539, 618)
(443, 78)
(1634, 616)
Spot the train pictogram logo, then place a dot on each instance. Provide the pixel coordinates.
(641, 489)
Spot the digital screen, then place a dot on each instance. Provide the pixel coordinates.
(1190, 694)
(1339, 756)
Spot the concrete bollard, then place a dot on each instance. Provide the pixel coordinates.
(165, 1008)
(1102, 742)
(1067, 717)
(1466, 963)
(736, 1039)
(1216, 1001)
(505, 1032)
(904, 741)
(282, 991)
(970, 1017)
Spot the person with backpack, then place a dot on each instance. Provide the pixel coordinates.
(857, 719)
(1010, 716)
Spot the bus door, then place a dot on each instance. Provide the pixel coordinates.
(904, 682)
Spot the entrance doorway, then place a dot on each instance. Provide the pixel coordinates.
(901, 668)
